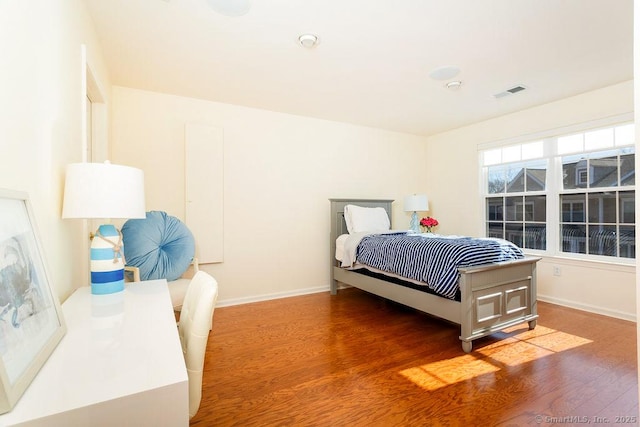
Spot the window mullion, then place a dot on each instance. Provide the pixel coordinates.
(554, 186)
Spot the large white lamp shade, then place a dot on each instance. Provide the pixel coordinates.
(416, 203)
(104, 191)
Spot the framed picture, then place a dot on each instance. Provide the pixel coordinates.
(31, 322)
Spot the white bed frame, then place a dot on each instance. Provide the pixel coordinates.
(493, 297)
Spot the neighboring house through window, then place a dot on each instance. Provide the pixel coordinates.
(570, 194)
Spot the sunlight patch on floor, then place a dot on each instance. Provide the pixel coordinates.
(513, 350)
(444, 372)
(531, 345)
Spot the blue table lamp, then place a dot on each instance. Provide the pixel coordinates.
(415, 203)
(104, 191)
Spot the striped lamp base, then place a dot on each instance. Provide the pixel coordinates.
(107, 276)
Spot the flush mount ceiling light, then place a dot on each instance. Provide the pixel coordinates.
(444, 73)
(454, 85)
(308, 40)
(230, 7)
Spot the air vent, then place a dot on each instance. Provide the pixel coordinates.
(516, 89)
(510, 91)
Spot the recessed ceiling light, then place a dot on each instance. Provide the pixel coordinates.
(444, 73)
(308, 40)
(454, 85)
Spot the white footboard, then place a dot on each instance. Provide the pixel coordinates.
(497, 296)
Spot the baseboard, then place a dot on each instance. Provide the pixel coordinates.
(267, 297)
(587, 307)
(306, 291)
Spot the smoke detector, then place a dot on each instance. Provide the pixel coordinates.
(230, 7)
(444, 73)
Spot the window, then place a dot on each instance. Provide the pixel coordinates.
(517, 203)
(570, 194)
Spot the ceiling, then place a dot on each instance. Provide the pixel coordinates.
(373, 61)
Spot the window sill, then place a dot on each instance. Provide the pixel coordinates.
(616, 265)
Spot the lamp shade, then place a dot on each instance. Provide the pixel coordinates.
(416, 203)
(103, 190)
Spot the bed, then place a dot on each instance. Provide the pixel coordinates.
(490, 297)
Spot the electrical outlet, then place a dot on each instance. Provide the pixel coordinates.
(557, 271)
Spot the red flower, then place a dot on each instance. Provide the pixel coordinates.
(428, 223)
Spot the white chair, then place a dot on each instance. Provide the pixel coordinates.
(178, 287)
(193, 328)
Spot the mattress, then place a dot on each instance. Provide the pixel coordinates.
(340, 241)
(361, 268)
(431, 260)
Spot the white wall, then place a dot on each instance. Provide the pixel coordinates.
(454, 195)
(280, 171)
(40, 117)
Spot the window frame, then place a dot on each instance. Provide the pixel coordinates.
(554, 184)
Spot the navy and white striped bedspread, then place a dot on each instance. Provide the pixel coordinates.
(432, 260)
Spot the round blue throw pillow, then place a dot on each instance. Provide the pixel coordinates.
(160, 245)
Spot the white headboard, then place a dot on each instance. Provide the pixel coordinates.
(338, 224)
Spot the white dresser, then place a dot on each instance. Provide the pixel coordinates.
(120, 363)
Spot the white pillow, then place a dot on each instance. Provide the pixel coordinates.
(361, 219)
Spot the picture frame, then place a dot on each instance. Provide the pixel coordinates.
(31, 319)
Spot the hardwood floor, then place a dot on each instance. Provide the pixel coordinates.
(357, 360)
